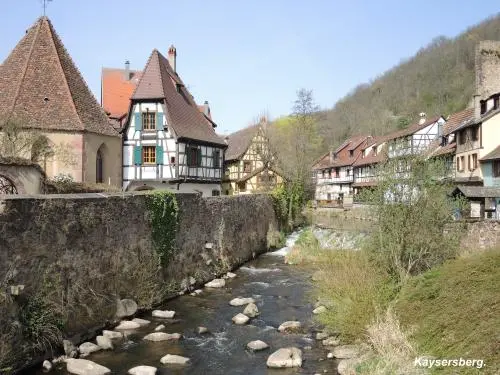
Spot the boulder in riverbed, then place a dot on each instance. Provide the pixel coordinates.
(88, 347)
(346, 351)
(85, 367)
(251, 310)
(240, 319)
(240, 301)
(285, 357)
(257, 345)
(143, 370)
(216, 283)
(165, 314)
(173, 359)
(141, 322)
(201, 330)
(127, 324)
(159, 328)
(104, 342)
(162, 336)
(47, 366)
(112, 334)
(290, 326)
(125, 307)
(231, 275)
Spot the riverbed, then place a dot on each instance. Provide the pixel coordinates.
(282, 293)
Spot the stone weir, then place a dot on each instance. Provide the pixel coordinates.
(66, 260)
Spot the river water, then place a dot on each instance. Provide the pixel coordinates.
(281, 293)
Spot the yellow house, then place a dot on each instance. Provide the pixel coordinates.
(43, 93)
(249, 163)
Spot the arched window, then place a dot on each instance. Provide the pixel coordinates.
(7, 186)
(99, 166)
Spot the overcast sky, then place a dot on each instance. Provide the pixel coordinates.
(246, 57)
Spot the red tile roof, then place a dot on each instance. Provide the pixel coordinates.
(41, 87)
(344, 157)
(371, 158)
(160, 82)
(116, 89)
(457, 119)
(408, 130)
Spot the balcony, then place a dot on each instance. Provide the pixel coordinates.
(335, 180)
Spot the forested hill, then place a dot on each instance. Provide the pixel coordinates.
(439, 79)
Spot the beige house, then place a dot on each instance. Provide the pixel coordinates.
(249, 163)
(42, 92)
(481, 134)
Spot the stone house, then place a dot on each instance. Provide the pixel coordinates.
(249, 163)
(43, 92)
(168, 143)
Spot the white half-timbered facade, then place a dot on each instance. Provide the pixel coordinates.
(168, 143)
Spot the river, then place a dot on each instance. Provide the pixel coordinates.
(281, 293)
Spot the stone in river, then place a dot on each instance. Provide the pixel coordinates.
(85, 367)
(216, 283)
(174, 359)
(239, 301)
(285, 357)
(166, 314)
(240, 319)
(142, 370)
(257, 345)
(251, 310)
(290, 326)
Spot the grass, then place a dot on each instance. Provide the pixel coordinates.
(454, 310)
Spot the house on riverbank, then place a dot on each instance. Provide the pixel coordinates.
(42, 93)
(249, 163)
(168, 143)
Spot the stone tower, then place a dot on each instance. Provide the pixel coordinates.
(487, 63)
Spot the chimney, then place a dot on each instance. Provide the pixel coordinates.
(127, 70)
(206, 108)
(226, 139)
(422, 118)
(332, 156)
(172, 57)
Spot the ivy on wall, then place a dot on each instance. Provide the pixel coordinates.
(163, 210)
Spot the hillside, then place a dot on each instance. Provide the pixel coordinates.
(439, 79)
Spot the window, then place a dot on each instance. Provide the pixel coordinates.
(496, 168)
(496, 102)
(460, 163)
(98, 167)
(348, 171)
(328, 196)
(242, 186)
(215, 193)
(474, 131)
(323, 174)
(247, 166)
(329, 173)
(483, 107)
(149, 154)
(172, 160)
(472, 162)
(193, 156)
(149, 120)
(337, 172)
(461, 137)
(216, 156)
(374, 149)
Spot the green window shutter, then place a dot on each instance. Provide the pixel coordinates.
(137, 155)
(199, 157)
(159, 155)
(159, 121)
(138, 121)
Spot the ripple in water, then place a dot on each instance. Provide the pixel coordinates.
(259, 284)
(259, 270)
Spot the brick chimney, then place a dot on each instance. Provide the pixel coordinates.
(172, 57)
(206, 108)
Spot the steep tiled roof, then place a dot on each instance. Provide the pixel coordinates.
(371, 158)
(458, 119)
(41, 87)
(408, 130)
(160, 82)
(495, 154)
(116, 89)
(343, 159)
(238, 142)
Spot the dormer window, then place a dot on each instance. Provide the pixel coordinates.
(374, 149)
(351, 153)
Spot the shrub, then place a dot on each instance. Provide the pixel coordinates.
(355, 288)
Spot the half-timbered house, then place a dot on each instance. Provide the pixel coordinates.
(334, 172)
(365, 166)
(168, 143)
(249, 164)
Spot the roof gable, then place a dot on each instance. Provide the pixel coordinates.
(239, 142)
(160, 82)
(41, 87)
